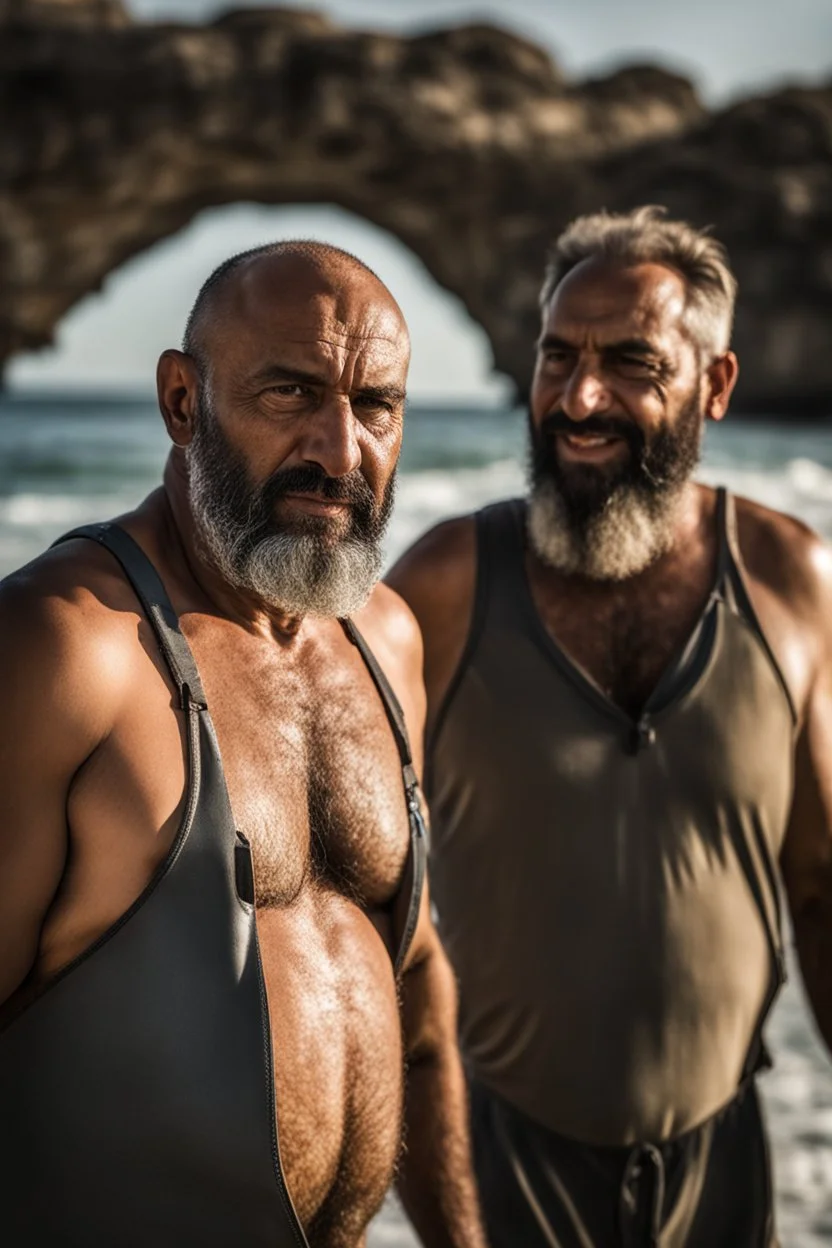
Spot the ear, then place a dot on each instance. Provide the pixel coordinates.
(720, 379)
(177, 387)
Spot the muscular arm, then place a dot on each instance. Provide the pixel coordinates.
(807, 855)
(53, 718)
(435, 1180)
(806, 858)
(793, 593)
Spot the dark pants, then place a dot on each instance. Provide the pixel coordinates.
(709, 1188)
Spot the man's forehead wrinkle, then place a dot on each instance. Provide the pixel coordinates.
(612, 303)
(314, 336)
(314, 319)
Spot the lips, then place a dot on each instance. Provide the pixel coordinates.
(589, 448)
(318, 503)
(587, 441)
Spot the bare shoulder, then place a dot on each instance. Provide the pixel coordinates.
(437, 577)
(437, 574)
(392, 632)
(446, 543)
(68, 627)
(392, 629)
(73, 582)
(787, 558)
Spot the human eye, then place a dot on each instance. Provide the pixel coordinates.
(556, 358)
(630, 365)
(372, 407)
(289, 390)
(287, 398)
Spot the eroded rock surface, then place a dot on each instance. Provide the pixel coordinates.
(469, 145)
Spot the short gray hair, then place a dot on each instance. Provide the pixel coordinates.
(645, 235)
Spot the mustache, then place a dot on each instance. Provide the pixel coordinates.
(352, 489)
(596, 426)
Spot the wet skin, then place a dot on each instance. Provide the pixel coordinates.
(615, 343)
(308, 367)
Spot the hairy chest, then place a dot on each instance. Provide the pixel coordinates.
(312, 771)
(625, 638)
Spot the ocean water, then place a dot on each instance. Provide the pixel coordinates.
(65, 461)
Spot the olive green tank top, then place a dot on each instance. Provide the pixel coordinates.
(606, 888)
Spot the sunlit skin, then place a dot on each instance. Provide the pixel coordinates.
(307, 366)
(297, 385)
(615, 343)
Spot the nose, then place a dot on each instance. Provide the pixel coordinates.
(330, 440)
(586, 394)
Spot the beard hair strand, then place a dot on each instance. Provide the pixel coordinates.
(302, 573)
(611, 531)
(614, 544)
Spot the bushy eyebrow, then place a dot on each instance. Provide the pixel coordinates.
(627, 346)
(632, 346)
(393, 395)
(280, 373)
(551, 341)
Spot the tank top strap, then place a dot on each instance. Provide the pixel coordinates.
(725, 520)
(499, 589)
(413, 883)
(501, 585)
(732, 585)
(392, 706)
(157, 606)
(730, 579)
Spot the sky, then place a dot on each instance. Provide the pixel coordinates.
(728, 47)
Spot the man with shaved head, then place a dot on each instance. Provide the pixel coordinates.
(223, 995)
(629, 683)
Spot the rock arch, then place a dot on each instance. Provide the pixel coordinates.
(466, 144)
(113, 338)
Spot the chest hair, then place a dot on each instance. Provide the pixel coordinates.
(625, 636)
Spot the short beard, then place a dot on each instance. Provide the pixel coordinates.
(610, 525)
(305, 570)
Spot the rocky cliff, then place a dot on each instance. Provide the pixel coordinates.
(467, 144)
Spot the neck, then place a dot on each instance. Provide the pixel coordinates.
(245, 608)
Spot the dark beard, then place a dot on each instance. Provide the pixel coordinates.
(610, 523)
(308, 565)
(651, 470)
(251, 510)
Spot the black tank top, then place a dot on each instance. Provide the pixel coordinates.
(136, 1091)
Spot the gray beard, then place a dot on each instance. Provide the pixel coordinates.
(621, 540)
(299, 573)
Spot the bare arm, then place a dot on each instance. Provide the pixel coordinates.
(435, 1180)
(53, 717)
(806, 857)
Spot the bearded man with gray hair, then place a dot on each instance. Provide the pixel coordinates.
(629, 748)
(216, 953)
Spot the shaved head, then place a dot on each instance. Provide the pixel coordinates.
(288, 262)
(288, 405)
